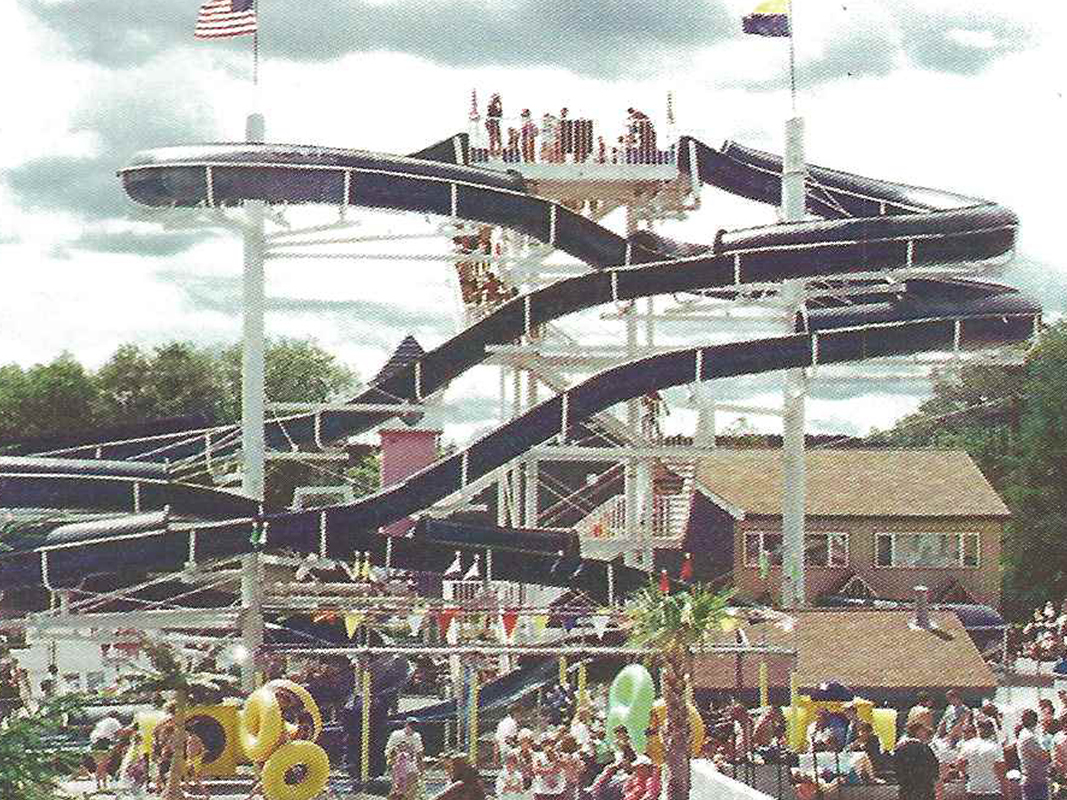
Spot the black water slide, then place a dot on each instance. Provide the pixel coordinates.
(900, 226)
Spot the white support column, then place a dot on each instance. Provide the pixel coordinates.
(532, 466)
(794, 594)
(635, 472)
(252, 403)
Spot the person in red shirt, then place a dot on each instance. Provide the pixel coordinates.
(644, 782)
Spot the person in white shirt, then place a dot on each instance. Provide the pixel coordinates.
(507, 728)
(403, 752)
(982, 761)
(580, 729)
(105, 731)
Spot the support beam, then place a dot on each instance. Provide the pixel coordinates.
(252, 415)
(794, 594)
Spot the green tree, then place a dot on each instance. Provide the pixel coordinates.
(673, 625)
(1035, 562)
(190, 683)
(296, 371)
(50, 398)
(30, 762)
(125, 387)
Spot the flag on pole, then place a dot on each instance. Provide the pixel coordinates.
(769, 19)
(415, 619)
(664, 581)
(221, 18)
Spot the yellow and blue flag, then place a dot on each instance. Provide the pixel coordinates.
(769, 19)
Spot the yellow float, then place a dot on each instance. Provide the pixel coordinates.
(296, 771)
(261, 724)
(883, 720)
(654, 748)
(305, 698)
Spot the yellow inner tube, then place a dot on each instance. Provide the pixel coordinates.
(261, 724)
(309, 782)
(654, 748)
(310, 706)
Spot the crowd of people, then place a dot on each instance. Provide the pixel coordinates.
(991, 755)
(1044, 637)
(566, 139)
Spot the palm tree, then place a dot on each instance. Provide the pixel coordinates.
(191, 684)
(673, 624)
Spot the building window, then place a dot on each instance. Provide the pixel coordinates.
(821, 549)
(769, 543)
(932, 550)
(826, 549)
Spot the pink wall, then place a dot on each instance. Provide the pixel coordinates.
(404, 452)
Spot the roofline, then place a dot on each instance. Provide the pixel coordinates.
(734, 511)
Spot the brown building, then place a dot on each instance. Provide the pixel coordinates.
(878, 523)
(883, 656)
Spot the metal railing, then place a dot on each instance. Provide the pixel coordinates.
(670, 514)
(550, 140)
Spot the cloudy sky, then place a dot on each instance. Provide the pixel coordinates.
(961, 95)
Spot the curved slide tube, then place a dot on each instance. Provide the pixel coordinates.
(898, 226)
(340, 531)
(120, 486)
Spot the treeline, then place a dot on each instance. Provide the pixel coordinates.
(64, 398)
(1013, 422)
(180, 379)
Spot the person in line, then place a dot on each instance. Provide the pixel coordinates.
(957, 713)
(549, 138)
(981, 760)
(566, 134)
(867, 742)
(644, 782)
(550, 778)
(770, 728)
(466, 783)
(403, 754)
(506, 729)
(922, 711)
(510, 782)
(915, 764)
(1033, 759)
(492, 124)
(529, 136)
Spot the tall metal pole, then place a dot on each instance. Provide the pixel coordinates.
(793, 466)
(252, 402)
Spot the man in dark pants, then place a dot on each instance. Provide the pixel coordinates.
(915, 764)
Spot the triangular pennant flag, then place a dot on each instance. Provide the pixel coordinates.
(445, 617)
(456, 567)
(600, 624)
(539, 622)
(365, 571)
(475, 572)
(569, 621)
(687, 568)
(353, 619)
(509, 618)
(664, 581)
(415, 618)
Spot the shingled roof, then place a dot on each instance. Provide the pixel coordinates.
(865, 649)
(868, 483)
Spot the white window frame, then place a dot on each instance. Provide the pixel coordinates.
(751, 561)
(841, 534)
(754, 561)
(962, 549)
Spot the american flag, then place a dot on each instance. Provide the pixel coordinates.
(221, 18)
